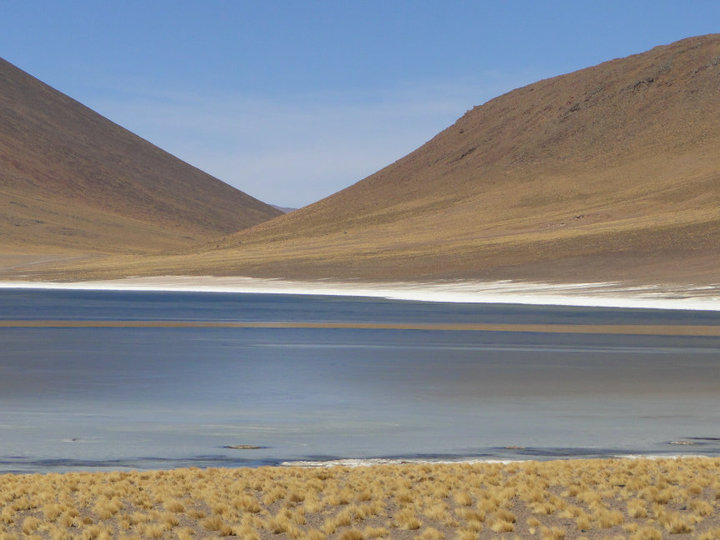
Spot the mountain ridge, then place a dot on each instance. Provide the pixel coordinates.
(609, 173)
(72, 179)
(607, 152)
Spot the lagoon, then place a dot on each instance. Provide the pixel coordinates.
(136, 397)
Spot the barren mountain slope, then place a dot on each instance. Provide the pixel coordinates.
(608, 173)
(71, 180)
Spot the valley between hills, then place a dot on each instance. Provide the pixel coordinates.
(610, 173)
(605, 180)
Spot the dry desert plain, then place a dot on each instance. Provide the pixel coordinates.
(611, 498)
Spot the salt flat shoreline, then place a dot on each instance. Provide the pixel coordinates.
(608, 295)
(352, 463)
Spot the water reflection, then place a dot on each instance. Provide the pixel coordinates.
(148, 398)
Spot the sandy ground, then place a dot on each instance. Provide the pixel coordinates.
(640, 499)
(572, 294)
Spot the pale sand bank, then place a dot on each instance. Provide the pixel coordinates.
(610, 295)
(372, 462)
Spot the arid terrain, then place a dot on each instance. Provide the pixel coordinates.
(636, 499)
(75, 185)
(608, 173)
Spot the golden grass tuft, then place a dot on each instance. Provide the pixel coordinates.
(52, 511)
(431, 533)
(502, 526)
(637, 508)
(677, 523)
(352, 534)
(30, 525)
(702, 508)
(712, 534)
(463, 498)
(583, 522)
(153, 531)
(174, 505)
(647, 533)
(552, 533)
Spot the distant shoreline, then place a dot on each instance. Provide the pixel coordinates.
(378, 462)
(608, 295)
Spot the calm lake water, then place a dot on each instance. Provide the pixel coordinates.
(97, 398)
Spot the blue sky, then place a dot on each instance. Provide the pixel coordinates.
(291, 101)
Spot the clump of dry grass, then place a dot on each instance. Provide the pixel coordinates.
(637, 499)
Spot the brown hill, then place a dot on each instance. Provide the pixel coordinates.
(608, 173)
(73, 181)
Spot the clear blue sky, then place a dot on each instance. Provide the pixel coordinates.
(291, 101)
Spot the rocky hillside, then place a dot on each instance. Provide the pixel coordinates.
(71, 180)
(608, 173)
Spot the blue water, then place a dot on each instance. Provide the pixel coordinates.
(97, 398)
